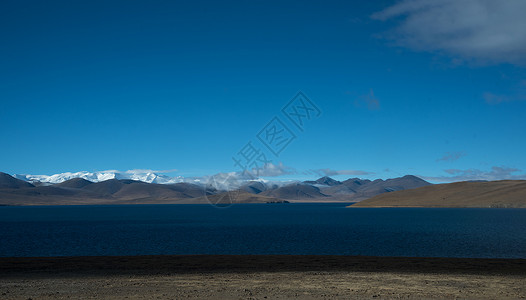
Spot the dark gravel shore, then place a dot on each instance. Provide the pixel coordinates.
(260, 277)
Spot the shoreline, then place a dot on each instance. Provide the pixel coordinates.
(344, 203)
(283, 202)
(258, 263)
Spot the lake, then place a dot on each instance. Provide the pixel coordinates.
(261, 229)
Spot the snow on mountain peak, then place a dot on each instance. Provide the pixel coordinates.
(140, 175)
(220, 181)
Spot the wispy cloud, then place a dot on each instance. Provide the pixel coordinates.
(331, 172)
(370, 101)
(491, 98)
(142, 171)
(274, 170)
(496, 173)
(451, 156)
(485, 31)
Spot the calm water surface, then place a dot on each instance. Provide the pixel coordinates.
(261, 229)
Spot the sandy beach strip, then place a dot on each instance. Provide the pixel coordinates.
(260, 277)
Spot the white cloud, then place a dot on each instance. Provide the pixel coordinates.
(484, 31)
(496, 173)
(233, 180)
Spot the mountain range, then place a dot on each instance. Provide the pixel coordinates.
(139, 175)
(79, 190)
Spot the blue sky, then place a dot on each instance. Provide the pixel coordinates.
(436, 89)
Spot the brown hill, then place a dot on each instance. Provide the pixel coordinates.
(139, 190)
(299, 191)
(80, 191)
(504, 193)
(75, 183)
(254, 187)
(356, 189)
(348, 187)
(325, 180)
(108, 187)
(9, 182)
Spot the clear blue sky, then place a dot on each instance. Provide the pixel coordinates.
(98, 85)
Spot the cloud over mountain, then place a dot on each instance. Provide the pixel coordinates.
(224, 181)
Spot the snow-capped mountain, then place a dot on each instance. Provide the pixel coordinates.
(220, 181)
(140, 175)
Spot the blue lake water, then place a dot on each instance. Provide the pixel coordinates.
(261, 229)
